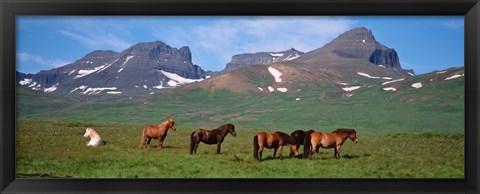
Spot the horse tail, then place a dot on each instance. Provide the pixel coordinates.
(255, 147)
(192, 142)
(306, 145)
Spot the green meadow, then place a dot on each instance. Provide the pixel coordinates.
(411, 133)
(57, 149)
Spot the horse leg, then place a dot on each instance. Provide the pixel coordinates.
(148, 142)
(196, 146)
(337, 151)
(218, 147)
(160, 143)
(260, 151)
(280, 152)
(142, 141)
(274, 152)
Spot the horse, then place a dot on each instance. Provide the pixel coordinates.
(335, 139)
(156, 132)
(214, 136)
(299, 136)
(274, 140)
(95, 138)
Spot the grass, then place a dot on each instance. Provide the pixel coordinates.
(436, 107)
(56, 148)
(410, 133)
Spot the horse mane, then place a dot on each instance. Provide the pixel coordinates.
(166, 122)
(344, 131)
(286, 137)
(225, 126)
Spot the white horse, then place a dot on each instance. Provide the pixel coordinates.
(95, 139)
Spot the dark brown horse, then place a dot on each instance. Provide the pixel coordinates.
(335, 139)
(214, 136)
(272, 140)
(157, 132)
(299, 136)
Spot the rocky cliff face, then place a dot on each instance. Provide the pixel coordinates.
(142, 69)
(248, 59)
(360, 43)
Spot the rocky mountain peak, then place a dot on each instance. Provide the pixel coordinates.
(259, 58)
(361, 43)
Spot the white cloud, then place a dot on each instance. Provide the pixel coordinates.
(234, 35)
(38, 60)
(97, 34)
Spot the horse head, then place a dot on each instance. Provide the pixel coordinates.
(353, 136)
(87, 132)
(231, 130)
(171, 124)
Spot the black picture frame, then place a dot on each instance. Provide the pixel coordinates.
(9, 9)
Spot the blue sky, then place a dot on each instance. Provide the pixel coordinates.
(423, 43)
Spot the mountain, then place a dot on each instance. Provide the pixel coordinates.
(357, 43)
(143, 68)
(249, 59)
(353, 59)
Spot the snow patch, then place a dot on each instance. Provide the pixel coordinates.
(85, 72)
(50, 89)
(276, 54)
(78, 88)
(289, 58)
(124, 63)
(390, 89)
(366, 75)
(348, 89)
(172, 83)
(145, 86)
(275, 73)
(33, 84)
(453, 77)
(114, 92)
(259, 88)
(91, 91)
(71, 72)
(297, 99)
(411, 74)
(282, 89)
(417, 85)
(373, 77)
(107, 66)
(160, 86)
(25, 81)
(397, 80)
(363, 40)
(206, 77)
(176, 80)
(381, 66)
(341, 83)
(270, 88)
(440, 72)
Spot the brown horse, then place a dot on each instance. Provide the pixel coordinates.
(299, 136)
(272, 140)
(335, 139)
(214, 136)
(157, 132)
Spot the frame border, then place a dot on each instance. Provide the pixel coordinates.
(9, 9)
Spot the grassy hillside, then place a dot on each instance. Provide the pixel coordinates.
(436, 107)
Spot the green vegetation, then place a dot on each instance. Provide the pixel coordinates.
(58, 149)
(404, 134)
